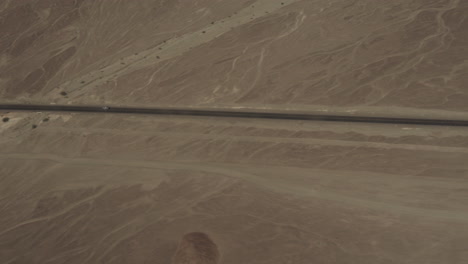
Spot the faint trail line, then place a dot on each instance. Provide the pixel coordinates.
(278, 185)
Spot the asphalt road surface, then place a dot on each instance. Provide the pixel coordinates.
(237, 114)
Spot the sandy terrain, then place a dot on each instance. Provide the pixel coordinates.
(120, 188)
(403, 57)
(83, 188)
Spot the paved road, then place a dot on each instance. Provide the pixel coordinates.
(238, 114)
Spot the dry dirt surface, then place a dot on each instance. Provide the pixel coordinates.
(81, 188)
(400, 57)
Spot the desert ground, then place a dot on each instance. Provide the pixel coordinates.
(126, 188)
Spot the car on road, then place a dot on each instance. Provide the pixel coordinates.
(105, 108)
